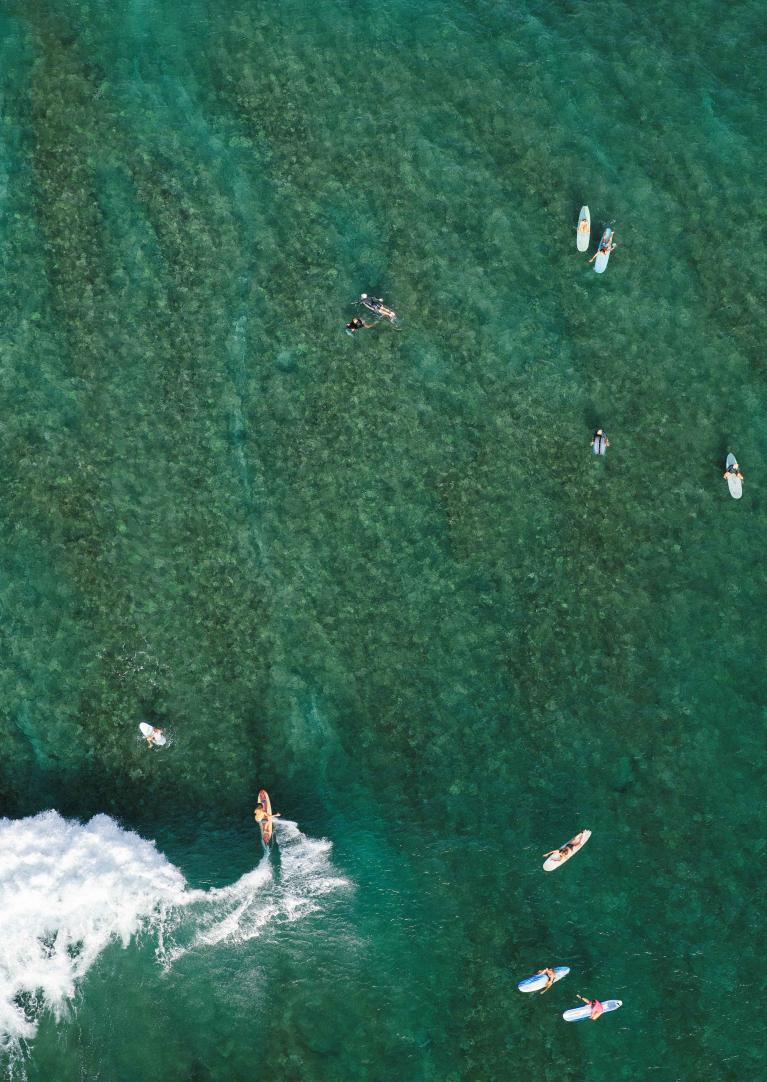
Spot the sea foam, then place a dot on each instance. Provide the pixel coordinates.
(68, 889)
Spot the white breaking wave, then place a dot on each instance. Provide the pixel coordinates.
(69, 889)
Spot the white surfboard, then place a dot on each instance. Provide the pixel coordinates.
(734, 482)
(147, 730)
(538, 980)
(578, 1014)
(603, 258)
(583, 234)
(556, 861)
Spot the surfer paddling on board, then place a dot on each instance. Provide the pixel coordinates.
(596, 1007)
(605, 246)
(733, 471)
(584, 227)
(153, 737)
(377, 306)
(550, 976)
(599, 442)
(566, 850)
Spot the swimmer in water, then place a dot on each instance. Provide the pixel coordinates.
(377, 306)
(358, 324)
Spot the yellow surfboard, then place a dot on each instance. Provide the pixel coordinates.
(266, 823)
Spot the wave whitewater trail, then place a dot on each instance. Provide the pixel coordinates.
(69, 889)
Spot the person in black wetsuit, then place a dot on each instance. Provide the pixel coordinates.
(358, 324)
(377, 305)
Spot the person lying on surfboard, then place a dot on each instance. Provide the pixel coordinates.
(152, 737)
(596, 1006)
(566, 850)
(263, 817)
(606, 248)
(584, 226)
(377, 306)
(550, 976)
(734, 471)
(599, 441)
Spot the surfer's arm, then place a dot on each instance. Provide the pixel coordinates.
(594, 257)
(551, 853)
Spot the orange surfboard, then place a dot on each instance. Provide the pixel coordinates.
(267, 825)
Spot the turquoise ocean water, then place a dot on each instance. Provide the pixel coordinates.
(382, 576)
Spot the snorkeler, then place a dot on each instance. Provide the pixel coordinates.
(377, 306)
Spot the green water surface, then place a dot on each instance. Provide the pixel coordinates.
(383, 575)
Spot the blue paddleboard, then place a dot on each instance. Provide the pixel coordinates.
(538, 980)
(579, 1014)
(603, 258)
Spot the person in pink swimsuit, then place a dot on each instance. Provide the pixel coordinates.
(596, 1006)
